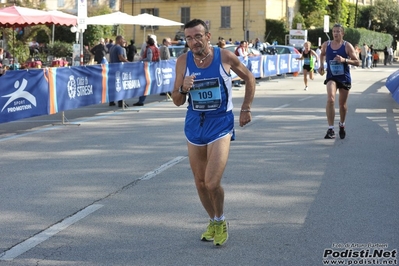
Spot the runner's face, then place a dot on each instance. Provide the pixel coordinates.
(338, 33)
(197, 39)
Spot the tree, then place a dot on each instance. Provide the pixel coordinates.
(298, 18)
(384, 16)
(339, 12)
(276, 31)
(313, 11)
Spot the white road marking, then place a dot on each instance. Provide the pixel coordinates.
(281, 107)
(162, 168)
(46, 234)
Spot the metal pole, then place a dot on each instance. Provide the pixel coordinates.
(81, 47)
(356, 15)
(243, 18)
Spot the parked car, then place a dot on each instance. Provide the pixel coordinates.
(176, 50)
(281, 49)
(232, 48)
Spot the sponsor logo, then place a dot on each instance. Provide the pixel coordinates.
(165, 76)
(359, 254)
(20, 99)
(79, 87)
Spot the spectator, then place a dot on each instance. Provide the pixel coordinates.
(259, 45)
(164, 50)
(99, 51)
(165, 55)
(375, 58)
(118, 54)
(363, 53)
(150, 54)
(4, 54)
(390, 55)
(131, 51)
(109, 45)
(33, 47)
(145, 44)
(222, 43)
(386, 55)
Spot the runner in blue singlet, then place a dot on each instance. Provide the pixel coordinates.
(203, 74)
(339, 54)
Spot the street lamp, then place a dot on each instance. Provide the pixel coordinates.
(79, 35)
(75, 30)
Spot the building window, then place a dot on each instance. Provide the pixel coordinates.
(185, 15)
(151, 11)
(225, 16)
(94, 2)
(112, 4)
(60, 3)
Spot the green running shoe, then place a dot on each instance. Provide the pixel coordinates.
(209, 233)
(221, 234)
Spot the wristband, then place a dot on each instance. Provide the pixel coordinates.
(245, 110)
(181, 91)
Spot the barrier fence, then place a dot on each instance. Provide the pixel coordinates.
(35, 92)
(392, 84)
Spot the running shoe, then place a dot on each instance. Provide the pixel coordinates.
(209, 233)
(330, 134)
(221, 234)
(306, 88)
(342, 132)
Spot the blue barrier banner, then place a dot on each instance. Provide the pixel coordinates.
(76, 87)
(270, 63)
(255, 65)
(23, 94)
(129, 80)
(68, 88)
(392, 84)
(125, 80)
(160, 76)
(296, 65)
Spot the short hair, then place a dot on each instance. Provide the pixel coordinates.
(337, 25)
(151, 41)
(195, 22)
(118, 38)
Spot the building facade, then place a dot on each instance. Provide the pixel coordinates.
(237, 19)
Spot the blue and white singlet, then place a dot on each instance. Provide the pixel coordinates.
(209, 113)
(335, 70)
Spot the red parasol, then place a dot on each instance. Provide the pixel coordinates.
(22, 16)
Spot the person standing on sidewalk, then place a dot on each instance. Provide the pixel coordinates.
(117, 54)
(203, 74)
(339, 54)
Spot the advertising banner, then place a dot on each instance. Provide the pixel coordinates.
(74, 87)
(23, 94)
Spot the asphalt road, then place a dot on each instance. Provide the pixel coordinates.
(118, 189)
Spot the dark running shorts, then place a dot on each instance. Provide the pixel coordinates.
(340, 85)
(307, 67)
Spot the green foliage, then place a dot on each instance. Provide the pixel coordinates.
(385, 14)
(316, 18)
(355, 36)
(298, 18)
(60, 49)
(275, 31)
(351, 15)
(339, 12)
(18, 48)
(313, 11)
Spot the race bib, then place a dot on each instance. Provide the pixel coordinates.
(336, 68)
(306, 61)
(205, 95)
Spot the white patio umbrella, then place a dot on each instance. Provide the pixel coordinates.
(146, 19)
(116, 18)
